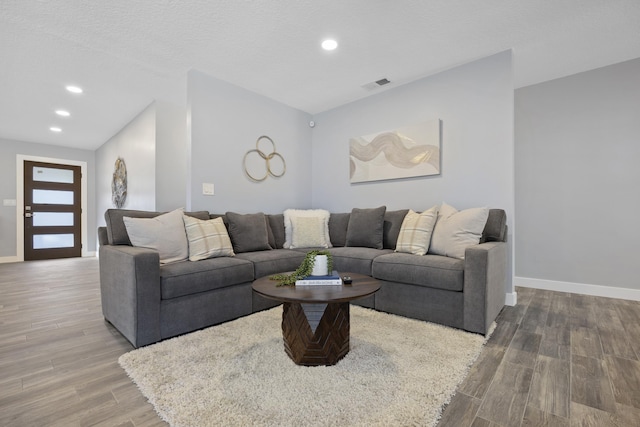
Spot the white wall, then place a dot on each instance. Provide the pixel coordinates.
(171, 155)
(136, 144)
(475, 103)
(225, 122)
(577, 177)
(9, 149)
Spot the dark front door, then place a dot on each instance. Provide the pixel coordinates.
(52, 211)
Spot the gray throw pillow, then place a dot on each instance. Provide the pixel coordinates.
(248, 232)
(366, 228)
(392, 224)
(164, 233)
(276, 230)
(116, 230)
(338, 223)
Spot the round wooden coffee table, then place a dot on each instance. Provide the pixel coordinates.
(315, 319)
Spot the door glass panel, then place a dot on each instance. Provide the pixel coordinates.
(48, 241)
(56, 197)
(52, 175)
(45, 219)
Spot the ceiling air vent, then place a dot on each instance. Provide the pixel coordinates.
(376, 84)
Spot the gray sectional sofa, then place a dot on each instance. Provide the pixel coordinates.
(148, 302)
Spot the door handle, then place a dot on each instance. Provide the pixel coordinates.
(28, 215)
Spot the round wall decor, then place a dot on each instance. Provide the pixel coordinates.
(269, 159)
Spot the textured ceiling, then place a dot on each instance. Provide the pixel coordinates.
(127, 53)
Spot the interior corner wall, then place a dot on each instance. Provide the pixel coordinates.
(136, 144)
(9, 149)
(171, 155)
(225, 122)
(577, 176)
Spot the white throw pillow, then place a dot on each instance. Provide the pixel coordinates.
(415, 232)
(207, 239)
(164, 233)
(320, 213)
(307, 232)
(456, 230)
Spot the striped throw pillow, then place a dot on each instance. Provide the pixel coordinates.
(415, 232)
(207, 239)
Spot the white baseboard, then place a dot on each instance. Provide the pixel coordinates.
(579, 288)
(511, 298)
(8, 259)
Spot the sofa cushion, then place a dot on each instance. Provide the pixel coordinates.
(433, 271)
(416, 230)
(164, 233)
(355, 259)
(338, 223)
(188, 278)
(308, 232)
(366, 227)
(117, 232)
(266, 263)
(248, 232)
(496, 228)
(276, 228)
(392, 223)
(226, 224)
(456, 230)
(318, 213)
(207, 239)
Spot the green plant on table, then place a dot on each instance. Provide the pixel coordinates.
(305, 269)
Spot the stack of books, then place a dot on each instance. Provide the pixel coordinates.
(331, 279)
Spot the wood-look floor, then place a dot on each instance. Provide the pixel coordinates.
(58, 357)
(555, 359)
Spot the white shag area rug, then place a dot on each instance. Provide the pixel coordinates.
(399, 372)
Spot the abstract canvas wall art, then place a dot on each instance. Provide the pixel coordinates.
(402, 153)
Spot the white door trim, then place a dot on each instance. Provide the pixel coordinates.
(20, 159)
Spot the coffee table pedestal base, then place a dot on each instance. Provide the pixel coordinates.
(315, 334)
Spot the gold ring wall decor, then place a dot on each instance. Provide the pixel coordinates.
(268, 158)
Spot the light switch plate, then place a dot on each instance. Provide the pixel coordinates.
(207, 189)
(8, 202)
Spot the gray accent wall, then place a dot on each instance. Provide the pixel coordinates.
(9, 149)
(474, 102)
(225, 122)
(577, 176)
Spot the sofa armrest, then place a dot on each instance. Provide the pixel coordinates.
(485, 281)
(130, 291)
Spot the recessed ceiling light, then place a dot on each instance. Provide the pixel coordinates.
(55, 129)
(63, 113)
(329, 44)
(74, 89)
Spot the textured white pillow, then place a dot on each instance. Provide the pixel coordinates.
(164, 233)
(415, 232)
(207, 239)
(320, 213)
(456, 230)
(307, 232)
